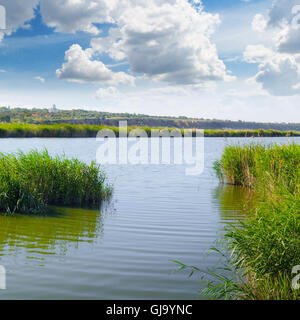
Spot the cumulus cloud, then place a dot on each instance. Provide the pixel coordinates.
(80, 67)
(166, 41)
(64, 15)
(18, 12)
(76, 15)
(279, 74)
(279, 67)
(285, 15)
(288, 40)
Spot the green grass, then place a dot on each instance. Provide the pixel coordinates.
(258, 166)
(251, 133)
(19, 130)
(30, 182)
(267, 246)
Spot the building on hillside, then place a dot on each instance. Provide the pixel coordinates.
(53, 109)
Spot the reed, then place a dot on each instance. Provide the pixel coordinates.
(259, 166)
(63, 130)
(30, 182)
(267, 246)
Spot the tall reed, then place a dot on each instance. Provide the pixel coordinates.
(266, 246)
(64, 130)
(29, 182)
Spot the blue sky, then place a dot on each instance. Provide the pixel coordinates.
(211, 59)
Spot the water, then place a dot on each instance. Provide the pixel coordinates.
(123, 252)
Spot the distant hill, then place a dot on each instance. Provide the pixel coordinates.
(78, 116)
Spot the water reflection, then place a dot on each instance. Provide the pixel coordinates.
(234, 202)
(47, 235)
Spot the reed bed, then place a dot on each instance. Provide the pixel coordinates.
(30, 182)
(250, 133)
(20, 130)
(256, 165)
(267, 246)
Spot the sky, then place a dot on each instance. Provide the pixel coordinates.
(231, 60)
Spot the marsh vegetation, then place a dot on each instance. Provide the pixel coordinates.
(63, 130)
(30, 182)
(264, 248)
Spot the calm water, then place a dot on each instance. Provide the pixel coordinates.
(123, 252)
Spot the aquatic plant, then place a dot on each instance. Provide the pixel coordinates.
(30, 182)
(238, 164)
(64, 130)
(265, 166)
(266, 246)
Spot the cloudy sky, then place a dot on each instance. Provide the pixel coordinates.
(233, 59)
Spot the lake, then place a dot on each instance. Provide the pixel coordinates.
(122, 251)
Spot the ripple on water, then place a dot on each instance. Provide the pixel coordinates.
(157, 214)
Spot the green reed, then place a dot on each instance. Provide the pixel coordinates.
(64, 130)
(259, 166)
(30, 182)
(266, 246)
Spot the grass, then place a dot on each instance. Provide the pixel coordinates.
(19, 130)
(258, 166)
(267, 246)
(30, 182)
(264, 248)
(251, 133)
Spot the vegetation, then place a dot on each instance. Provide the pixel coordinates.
(19, 130)
(30, 182)
(266, 247)
(78, 116)
(250, 133)
(259, 166)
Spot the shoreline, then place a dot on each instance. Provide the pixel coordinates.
(20, 130)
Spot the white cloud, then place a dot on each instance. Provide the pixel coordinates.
(42, 80)
(18, 12)
(279, 66)
(165, 41)
(281, 77)
(285, 15)
(235, 31)
(259, 23)
(76, 15)
(64, 15)
(279, 73)
(79, 67)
